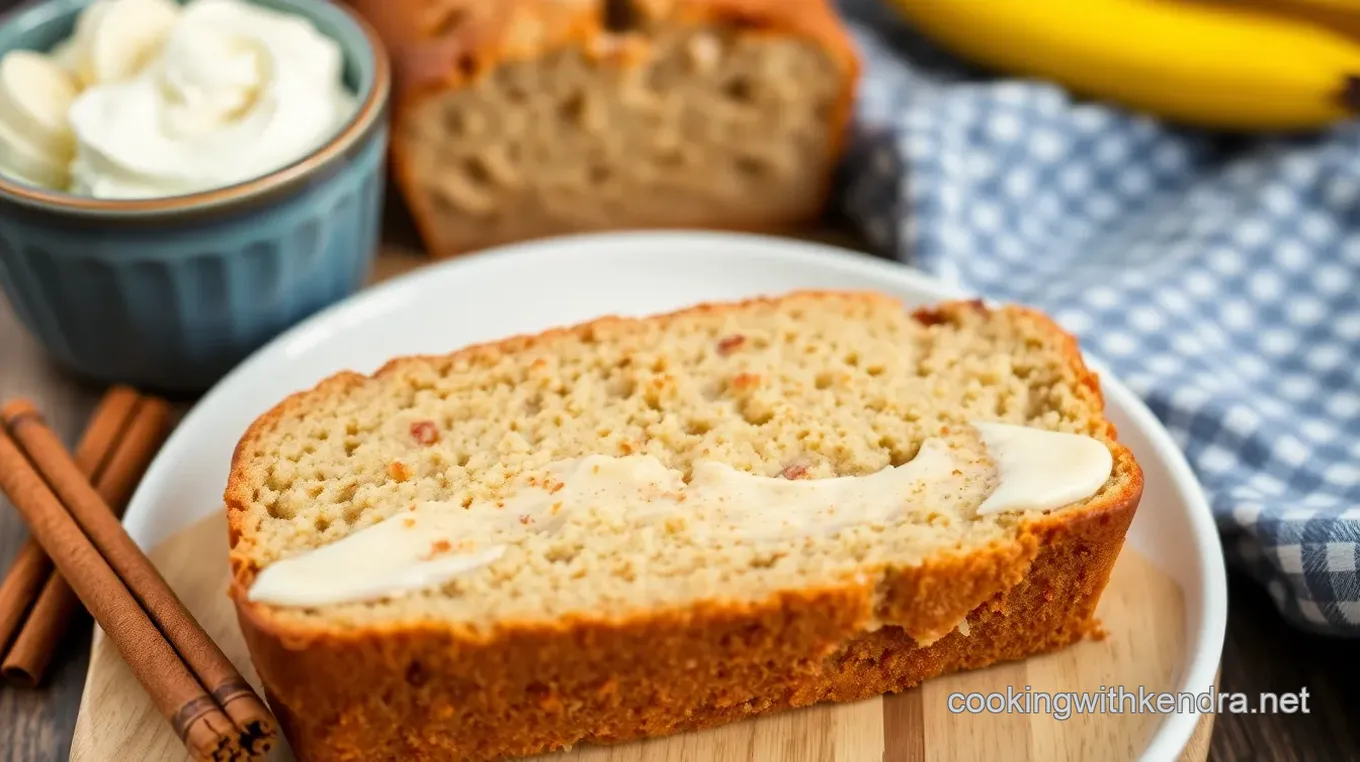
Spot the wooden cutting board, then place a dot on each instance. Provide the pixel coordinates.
(1142, 610)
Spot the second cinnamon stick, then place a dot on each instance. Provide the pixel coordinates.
(22, 583)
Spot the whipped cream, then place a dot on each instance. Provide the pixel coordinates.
(115, 39)
(434, 542)
(173, 100)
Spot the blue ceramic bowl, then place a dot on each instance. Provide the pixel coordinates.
(170, 293)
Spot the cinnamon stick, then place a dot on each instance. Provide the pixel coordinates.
(22, 583)
(206, 731)
(110, 419)
(118, 464)
(31, 566)
(96, 520)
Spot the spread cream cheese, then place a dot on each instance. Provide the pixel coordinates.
(434, 542)
(148, 99)
(1040, 470)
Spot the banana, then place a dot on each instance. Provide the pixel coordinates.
(36, 142)
(1339, 6)
(1225, 66)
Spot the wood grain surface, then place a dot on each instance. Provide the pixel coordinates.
(1142, 611)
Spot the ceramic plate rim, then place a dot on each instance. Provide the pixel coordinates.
(1205, 641)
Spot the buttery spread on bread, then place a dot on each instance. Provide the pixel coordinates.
(148, 99)
(1041, 470)
(433, 542)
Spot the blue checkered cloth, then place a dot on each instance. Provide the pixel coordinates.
(1220, 280)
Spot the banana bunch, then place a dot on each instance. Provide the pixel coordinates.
(1242, 65)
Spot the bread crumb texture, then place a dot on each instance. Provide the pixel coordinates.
(810, 385)
(547, 117)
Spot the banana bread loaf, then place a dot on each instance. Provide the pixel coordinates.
(530, 624)
(516, 119)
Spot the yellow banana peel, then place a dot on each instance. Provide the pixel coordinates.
(1225, 65)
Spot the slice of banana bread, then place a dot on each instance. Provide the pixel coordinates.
(516, 119)
(604, 630)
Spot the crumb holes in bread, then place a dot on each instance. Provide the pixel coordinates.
(441, 204)
(899, 453)
(698, 428)
(476, 170)
(765, 560)
(562, 554)
(573, 108)
(739, 90)
(455, 122)
(466, 65)
(671, 158)
(757, 415)
(751, 166)
(619, 16)
(533, 405)
(516, 94)
(824, 380)
(416, 674)
(622, 387)
(346, 491)
(352, 513)
(322, 523)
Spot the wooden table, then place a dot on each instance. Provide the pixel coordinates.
(1263, 653)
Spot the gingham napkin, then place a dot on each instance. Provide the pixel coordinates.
(1220, 281)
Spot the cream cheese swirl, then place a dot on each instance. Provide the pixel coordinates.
(234, 92)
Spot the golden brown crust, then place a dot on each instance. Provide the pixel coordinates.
(430, 691)
(422, 694)
(436, 45)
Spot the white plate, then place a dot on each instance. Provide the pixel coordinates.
(529, 287)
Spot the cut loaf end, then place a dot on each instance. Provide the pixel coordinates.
(529, 118)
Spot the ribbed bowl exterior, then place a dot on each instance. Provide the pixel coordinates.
(175, 307)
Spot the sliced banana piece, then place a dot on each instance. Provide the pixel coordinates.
(36, 142)
(35, 98)
(26, 162)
